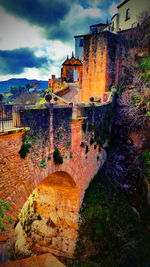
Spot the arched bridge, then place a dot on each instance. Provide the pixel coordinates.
(46, 170)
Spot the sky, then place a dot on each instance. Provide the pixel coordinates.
(37, 35)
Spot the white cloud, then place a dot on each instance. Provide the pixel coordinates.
(79, 19)
(16, 33)
(95, 2)
(113, 9)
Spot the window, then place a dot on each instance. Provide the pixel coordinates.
(127, 14)
(81, 42)
(134, 24)
(112, 26)
(93, 30)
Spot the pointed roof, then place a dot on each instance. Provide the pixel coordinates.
(72, 61)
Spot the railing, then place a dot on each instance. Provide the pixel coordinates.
(9, 117)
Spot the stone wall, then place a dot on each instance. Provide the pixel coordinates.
(62, 127)
(99, 63)
(58, 188)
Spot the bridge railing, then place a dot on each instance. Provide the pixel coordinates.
(9, 117)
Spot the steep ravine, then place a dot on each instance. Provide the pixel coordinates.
(115, 215)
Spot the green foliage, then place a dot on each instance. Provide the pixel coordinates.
(145, 157)
(120, 90)
(91, 141)
(84, 126)
(82, 144)
(86, 149)
(71, 155)
(68, 144)
(17, 90)
(39, 217)
(27, 143)
(43, 163)
(105, 130)
(145, 64)
(110, 227)
(25, 149)
(136, 99)
(90, 127)
(58, 159)
(145, 67)
(3, 218)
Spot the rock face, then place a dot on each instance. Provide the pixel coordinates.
(48, 221)
(46, 260)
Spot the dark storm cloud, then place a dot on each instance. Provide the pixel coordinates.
(38, 12)
(53, 16)
(14, 61)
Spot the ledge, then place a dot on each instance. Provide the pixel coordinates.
(14, 130)
(78, 119)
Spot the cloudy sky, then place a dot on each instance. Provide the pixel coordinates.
(37, 35)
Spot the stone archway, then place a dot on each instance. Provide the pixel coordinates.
(72, 70)
(48, 221)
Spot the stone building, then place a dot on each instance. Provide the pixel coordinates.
(126, 18)
(72, 70)
(127, 15)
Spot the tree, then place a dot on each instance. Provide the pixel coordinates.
(1, 97)
(28, 86)
(17, 90)
(27, 98)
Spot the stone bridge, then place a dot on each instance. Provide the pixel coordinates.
(46, 170)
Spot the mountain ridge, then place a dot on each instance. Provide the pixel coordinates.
(5, 85)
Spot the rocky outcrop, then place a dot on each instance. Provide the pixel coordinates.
(48, 221)
(45, 260)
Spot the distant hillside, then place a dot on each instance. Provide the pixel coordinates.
(5, 85)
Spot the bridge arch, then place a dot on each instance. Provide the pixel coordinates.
(48, 221)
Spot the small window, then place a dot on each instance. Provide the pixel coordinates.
(134, 24)
(112, 27)
(94, 30)
(81, 42)
(127, 14)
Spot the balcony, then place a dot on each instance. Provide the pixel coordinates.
(10, 118)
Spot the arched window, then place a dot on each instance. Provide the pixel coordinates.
(127, 16)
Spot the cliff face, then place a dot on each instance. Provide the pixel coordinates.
(115, 211)
(48, 221)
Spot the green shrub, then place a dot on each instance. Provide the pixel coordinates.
(27, 143)
(43, 163)
(68, 144)
(86, 149)
(91, 141)
(39, 217)
(3, 217)
(90, 127)
(82, 144)
(25, 149)
(84, 126)
(58, 159)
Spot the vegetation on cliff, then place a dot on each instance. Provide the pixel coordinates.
(115, 215)
(114, 223)
(4, 206)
